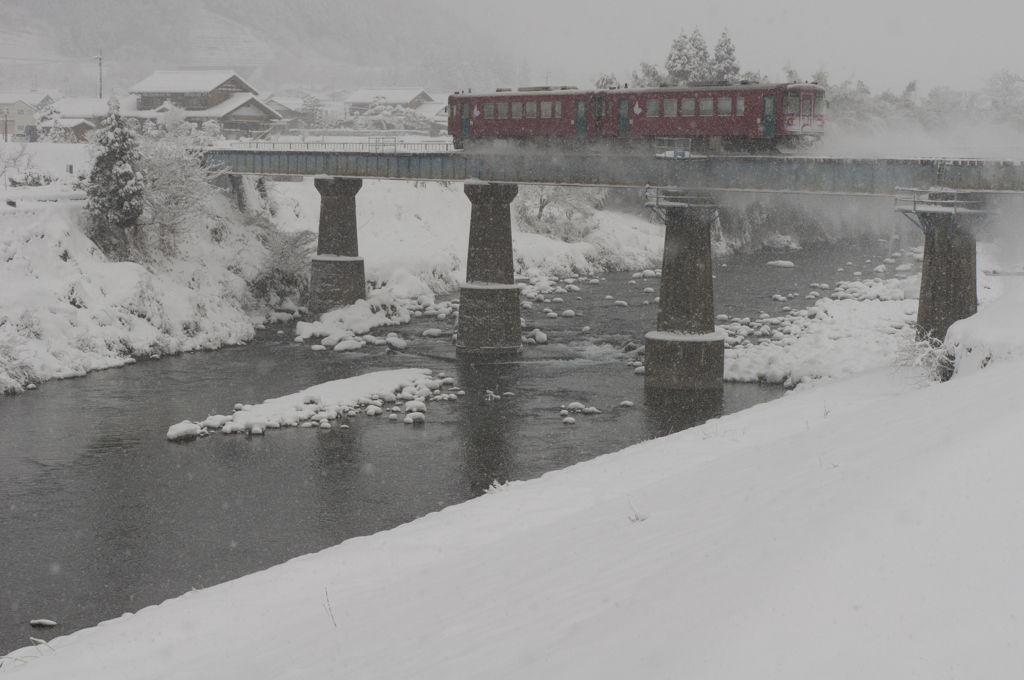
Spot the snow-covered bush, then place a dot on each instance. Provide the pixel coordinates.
(285, 270)
(561, 212)
(32, 178)
(383, 116)
(178, 186)
(932, 358)
(15, 160)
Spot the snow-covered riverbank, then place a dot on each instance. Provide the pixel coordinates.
(65, 310)
(862, 528)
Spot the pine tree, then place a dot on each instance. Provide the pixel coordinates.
(724, 65)
(115, 187)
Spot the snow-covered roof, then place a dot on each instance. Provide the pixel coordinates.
(84, 107)
(431, 109)
(33, 99)
(293, 103)
(187, 81)
(232, 103)
(67, 123)
(391, 95)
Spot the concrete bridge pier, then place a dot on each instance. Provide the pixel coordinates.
(489, 300)
(337, 276)
(949, 283)
(685, 353)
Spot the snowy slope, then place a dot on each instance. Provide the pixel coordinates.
(423, 229)
(867, 528)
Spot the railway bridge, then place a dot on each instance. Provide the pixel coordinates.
(947, 199)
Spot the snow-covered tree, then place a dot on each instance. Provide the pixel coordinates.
(1006, 97)
(312, 111)
(115, 187)
(649, 76)
(724, 66)
(384, 116)
(688, 60)
(178, 186)
(606, 81)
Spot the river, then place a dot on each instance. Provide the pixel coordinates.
(100, 515)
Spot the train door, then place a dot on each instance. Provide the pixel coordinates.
(465, 121)
(623, 118)
(768, 120)
(581, 118)
(806, 112)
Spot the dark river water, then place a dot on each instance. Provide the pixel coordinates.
(100, 515)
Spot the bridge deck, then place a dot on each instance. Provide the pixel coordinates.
(789, 174)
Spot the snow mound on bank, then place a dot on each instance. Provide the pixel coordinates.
(833, 339)
(66, 310)
(994, 335)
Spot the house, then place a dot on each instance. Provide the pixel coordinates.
(437, 112)
(21, 109)
(90, 109)
(289, 108)
(219, 96)
(76, 128)
(409, 97)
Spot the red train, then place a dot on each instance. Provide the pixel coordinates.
(745, 117)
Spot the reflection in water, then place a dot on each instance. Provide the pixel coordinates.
(489, 428)
(668, 411)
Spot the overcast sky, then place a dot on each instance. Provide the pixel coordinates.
(885, 43)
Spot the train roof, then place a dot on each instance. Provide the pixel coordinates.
(561, 90)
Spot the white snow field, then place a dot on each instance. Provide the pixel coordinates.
(863, 528)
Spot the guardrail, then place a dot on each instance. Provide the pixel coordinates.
(940, 201)
(371, 145)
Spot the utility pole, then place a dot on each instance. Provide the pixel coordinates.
(5, 125)
(100, 59)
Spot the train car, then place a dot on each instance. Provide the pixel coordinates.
(744, 117)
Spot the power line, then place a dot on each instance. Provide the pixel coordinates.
(82, 60)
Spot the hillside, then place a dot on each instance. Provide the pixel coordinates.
(342, 45)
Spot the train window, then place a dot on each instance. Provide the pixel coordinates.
(545, 109)
(653, 108)
(707, 106)
(671, 106)
(531, 109)
(791, 103)
(502, 109)
(465, 110)
(489, 110)
(598, 107)
(517, 109)
(558, 109)
(725, 106)
(687, 107)
(769, 105)
(807, 104)
(819, 105)
(739, 106)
